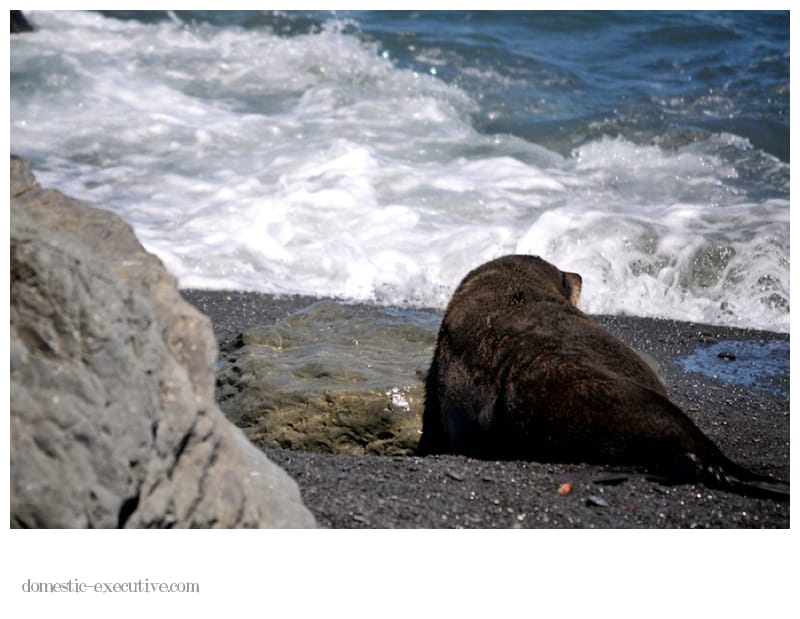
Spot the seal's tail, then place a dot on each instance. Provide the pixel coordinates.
(727, 475)
(745, 482)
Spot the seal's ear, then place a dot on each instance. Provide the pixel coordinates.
(572, 287)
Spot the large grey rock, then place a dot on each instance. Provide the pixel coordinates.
(113, 420)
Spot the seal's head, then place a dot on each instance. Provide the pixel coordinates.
(526, 278)
(550, 279)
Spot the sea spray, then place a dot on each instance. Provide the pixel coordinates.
(315, 154)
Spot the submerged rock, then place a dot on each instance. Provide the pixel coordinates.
(113, 420)
(332, 378)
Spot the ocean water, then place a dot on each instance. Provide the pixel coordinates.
(379, 156)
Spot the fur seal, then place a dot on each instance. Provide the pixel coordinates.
(520, 373)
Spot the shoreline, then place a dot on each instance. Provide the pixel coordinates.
(751, 425)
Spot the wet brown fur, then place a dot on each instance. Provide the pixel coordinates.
(519, 372)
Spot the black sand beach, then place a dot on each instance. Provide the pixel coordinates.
(750, 424)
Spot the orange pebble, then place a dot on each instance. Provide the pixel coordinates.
(565, 488)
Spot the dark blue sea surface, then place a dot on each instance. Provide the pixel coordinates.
(561, 77)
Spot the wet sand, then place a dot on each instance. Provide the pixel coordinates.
(751, 425)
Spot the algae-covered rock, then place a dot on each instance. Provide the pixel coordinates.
(332, 378)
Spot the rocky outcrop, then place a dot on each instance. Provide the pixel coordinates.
(332, 378)
(113, 420)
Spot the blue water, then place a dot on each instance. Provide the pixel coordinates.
(562, 77)
(380, 155)
(754, 364)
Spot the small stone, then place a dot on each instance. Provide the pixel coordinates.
(596, 501)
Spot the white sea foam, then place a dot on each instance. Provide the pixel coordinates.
(314, 165)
